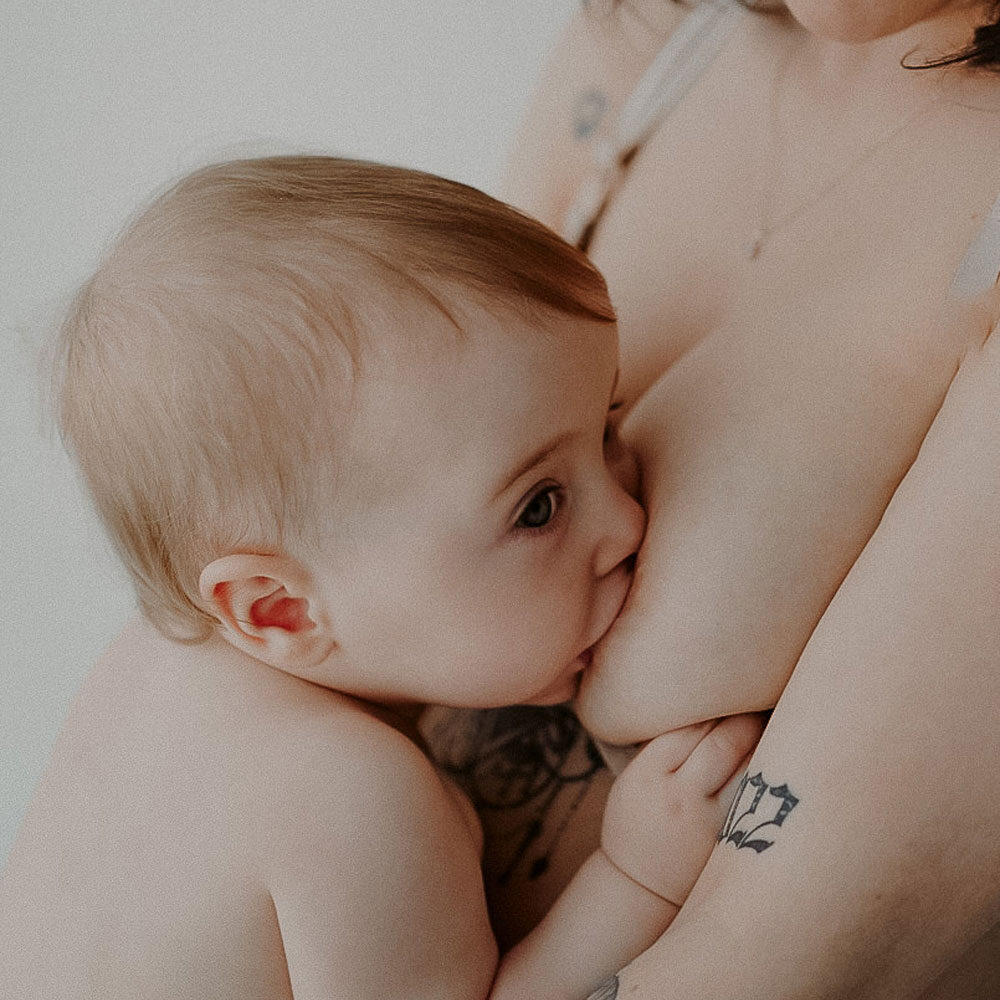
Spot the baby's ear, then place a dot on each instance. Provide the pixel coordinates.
(268, 607)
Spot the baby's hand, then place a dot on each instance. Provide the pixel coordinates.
(666, 808)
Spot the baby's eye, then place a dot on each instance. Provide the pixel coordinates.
(541, 509)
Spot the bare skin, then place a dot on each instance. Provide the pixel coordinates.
(201, 813)
(254, 816)
(776, 404)
(212, 827)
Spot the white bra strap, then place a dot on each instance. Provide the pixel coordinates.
(676, 67)
(980, 268)
(685, 55)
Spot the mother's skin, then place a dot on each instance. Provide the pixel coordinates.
(776, 404)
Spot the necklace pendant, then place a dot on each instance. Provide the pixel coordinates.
(756, 243)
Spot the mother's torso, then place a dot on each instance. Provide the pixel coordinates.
(776, 399)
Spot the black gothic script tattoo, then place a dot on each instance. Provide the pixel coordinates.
(757, 805)
(528, 760)
(588, 112)
(606, 991)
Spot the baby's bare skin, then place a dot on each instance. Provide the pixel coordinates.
(196, 798)
(212, 827)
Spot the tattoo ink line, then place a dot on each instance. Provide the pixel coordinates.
(588, 113)
(524, 758)
(744, 821)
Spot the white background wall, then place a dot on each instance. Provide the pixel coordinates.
(102, 101)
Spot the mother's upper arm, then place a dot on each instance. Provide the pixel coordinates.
(589, 72)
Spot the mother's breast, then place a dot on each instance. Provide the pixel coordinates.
(769, 452)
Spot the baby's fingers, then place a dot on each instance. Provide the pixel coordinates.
(703, 757)
(722, 753)
(666, 809)
(667, 753)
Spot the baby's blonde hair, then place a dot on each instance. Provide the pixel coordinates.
(197, 371)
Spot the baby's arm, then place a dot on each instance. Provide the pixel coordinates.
(373, 871)
(660, 825)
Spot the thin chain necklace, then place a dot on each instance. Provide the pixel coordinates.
(771, 178)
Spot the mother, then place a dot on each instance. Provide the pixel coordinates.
(784, 205)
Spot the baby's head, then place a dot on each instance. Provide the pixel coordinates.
(350, 418)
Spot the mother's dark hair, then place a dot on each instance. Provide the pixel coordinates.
(983, 50)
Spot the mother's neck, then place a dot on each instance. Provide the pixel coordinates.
(876, 66)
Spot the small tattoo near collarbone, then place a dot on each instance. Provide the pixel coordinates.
(606, 991)
(588, 113)
(756, 807)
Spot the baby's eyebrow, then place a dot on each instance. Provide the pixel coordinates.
(538, 456)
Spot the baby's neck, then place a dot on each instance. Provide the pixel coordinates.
(403, 716)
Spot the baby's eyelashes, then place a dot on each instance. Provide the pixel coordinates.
(542, 508)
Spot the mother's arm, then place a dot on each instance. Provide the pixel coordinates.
(888, 735)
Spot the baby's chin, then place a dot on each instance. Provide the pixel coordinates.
(555, 696)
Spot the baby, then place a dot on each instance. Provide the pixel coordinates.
(347, 426)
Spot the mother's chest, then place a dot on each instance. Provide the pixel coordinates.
(771, 440)
(846, 329)
(852, 279)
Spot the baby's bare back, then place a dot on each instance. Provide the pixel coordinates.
(136, 872)
(172, 824)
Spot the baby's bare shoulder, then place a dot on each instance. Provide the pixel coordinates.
(219, 734)
(264, 816)
(373, 867)
(347, 788)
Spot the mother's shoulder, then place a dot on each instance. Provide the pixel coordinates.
(591, 70)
